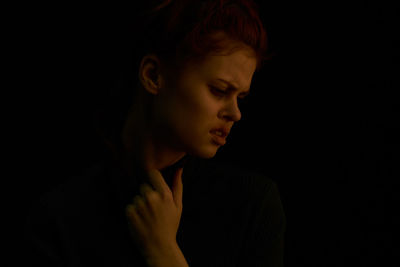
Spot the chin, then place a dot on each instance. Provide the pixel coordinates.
(206, 152)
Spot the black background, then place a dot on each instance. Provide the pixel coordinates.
(322, 118)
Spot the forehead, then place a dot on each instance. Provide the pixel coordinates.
(237, 67)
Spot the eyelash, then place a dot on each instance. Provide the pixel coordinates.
(221, 93)
(218, 91)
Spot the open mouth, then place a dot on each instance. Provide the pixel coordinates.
(218, 138)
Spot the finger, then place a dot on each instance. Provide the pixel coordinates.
(177, 187)
(157, 181)
(143, 208)
(145, 190)
(129, 210)
(138, 204)
(132, 215)
(134, 220)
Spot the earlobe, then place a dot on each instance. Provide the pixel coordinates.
(149, 74)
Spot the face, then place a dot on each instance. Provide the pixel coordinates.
(191, 106)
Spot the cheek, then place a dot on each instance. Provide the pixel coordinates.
(200, 111)
(195, 115)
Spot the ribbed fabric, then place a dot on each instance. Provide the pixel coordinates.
(231, 217)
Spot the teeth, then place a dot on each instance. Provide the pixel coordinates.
(219, 133)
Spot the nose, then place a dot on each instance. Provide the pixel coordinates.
(231, 111)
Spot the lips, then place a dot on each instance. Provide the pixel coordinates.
(218, 139)
(221, 132)
(219, 135)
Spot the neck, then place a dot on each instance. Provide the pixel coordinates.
(145, 149)
(149, 157)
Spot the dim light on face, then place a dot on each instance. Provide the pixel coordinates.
(197, 110)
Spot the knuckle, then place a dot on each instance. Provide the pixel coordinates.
(145, 189)
(137, 200)
(152, 196)
(166, 197)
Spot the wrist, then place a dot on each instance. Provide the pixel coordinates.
(170, 256)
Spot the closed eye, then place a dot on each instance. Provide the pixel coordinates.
(217, 91)
(221, 93)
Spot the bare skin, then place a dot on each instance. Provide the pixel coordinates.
(173, 115)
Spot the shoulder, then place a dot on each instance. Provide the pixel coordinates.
(258, 197)
(235, 175)
(231, 179)
(248, 192)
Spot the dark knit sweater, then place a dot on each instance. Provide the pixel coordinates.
(230, 217)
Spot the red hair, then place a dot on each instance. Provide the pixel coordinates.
(179, 32)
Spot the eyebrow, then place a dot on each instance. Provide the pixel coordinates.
(232, 87)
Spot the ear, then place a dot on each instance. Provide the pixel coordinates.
(150, 73)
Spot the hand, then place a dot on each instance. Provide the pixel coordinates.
(155, 215)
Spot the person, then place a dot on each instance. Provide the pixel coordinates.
(193, 63)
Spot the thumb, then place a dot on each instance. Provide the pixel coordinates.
(177, 187)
